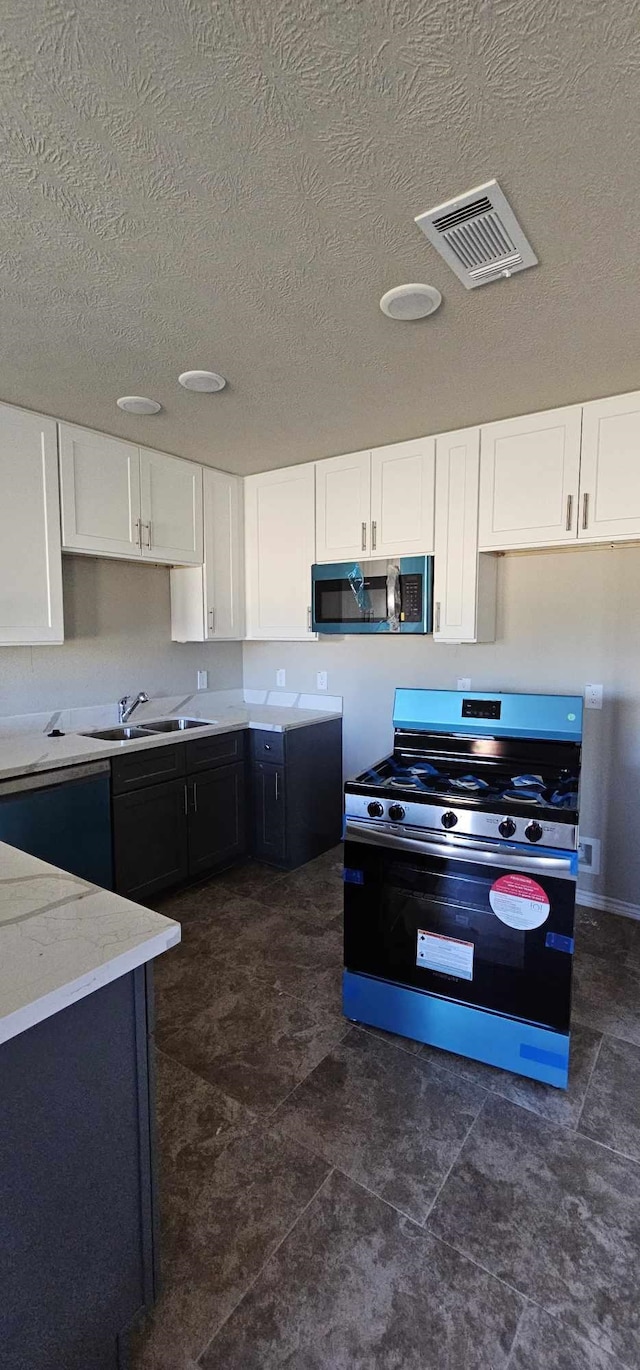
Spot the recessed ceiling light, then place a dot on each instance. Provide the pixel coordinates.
(137, 404)
(202, 380)
(410, 301)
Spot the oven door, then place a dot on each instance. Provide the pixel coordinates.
(485, 927)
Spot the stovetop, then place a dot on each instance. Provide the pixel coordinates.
(496, 787)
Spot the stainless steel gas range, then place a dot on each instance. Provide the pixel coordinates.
(460, 870)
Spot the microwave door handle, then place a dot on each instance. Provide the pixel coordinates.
(393, 596)
(459, 849)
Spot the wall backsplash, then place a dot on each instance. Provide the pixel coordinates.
(117, 641)
(564, 619)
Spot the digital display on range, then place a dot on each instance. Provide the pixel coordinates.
(481, 708)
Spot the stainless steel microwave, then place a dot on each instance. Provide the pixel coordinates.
(392, 596)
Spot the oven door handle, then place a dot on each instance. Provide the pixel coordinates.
(460, 849)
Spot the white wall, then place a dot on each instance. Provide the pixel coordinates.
(118, 641)
(564, 618)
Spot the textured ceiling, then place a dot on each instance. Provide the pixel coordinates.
(232, 184)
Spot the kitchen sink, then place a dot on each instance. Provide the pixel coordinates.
(125, 733)
(175, 725)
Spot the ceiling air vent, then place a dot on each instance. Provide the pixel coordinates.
(479, 236)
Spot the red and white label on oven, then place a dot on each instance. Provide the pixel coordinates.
(447, 954)
(519, 901)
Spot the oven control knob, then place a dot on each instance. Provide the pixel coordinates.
(449, 819)
(533, 831)
(507, 827)
(375, 809)
(396, 813)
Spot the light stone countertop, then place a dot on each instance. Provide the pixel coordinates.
(26, 753)
(61, 939)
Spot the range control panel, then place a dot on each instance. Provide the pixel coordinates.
(438, 819)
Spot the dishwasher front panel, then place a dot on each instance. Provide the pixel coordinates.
(66, 821)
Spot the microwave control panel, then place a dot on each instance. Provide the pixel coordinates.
(411, 598)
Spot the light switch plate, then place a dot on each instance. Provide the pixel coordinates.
(464, 682)
(589, 855)
(203, 680)
(281, 679)
(593, 696)
(322, 681)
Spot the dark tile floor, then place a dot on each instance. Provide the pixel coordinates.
(335, 1198)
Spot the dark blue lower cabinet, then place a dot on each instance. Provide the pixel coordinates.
(78, 1258)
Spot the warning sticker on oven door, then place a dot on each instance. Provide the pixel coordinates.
(519, 901)
(446, 954)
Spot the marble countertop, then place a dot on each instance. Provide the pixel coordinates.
(61, 939)
(26, 753)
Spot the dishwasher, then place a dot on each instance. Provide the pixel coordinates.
(64, 817)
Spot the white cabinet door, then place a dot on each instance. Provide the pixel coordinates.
(464, 583)
(207, 602)
(529, 474)
(171, 508)
(343, 507)
(100, 493)
(402, 496)
(610, 469)
(280, 550)
(30, 556)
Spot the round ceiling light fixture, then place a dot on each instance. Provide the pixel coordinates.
(405, 302)
(138, 404)
(208, 381)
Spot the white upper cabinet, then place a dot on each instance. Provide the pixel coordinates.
(280, 551)
(171, 508)
(119, 500)
(207, 602)
(610, 469)
(402, 498)
(464, 591)
(529, 478)
(376, 503)
(30, 555)
(100, 493)
(343, 507)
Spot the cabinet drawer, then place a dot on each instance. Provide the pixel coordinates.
(133, 771)
(219, 750)
(266, 746)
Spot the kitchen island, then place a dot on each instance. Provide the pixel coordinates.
(77, 1188)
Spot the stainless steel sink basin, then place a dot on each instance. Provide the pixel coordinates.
(121, 734)
(175, 725)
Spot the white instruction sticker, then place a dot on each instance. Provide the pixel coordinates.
(446, 954)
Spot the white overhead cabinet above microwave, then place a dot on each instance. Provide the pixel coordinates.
(376, 503)
(562, 476)
(120, 500)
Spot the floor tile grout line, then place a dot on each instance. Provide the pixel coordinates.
(272, 1253)
(454, 1162)
(588, 1085)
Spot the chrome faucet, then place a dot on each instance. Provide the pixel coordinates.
(126, 705)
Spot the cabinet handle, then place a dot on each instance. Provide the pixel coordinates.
(211, 620)
(139, 533)
(569, 512)
(364, 537)
(437, 627)
(308, 618)
(277, 788)
(195, 796)
(374, 536)
(149, 534)
(186, 800)
(585, 510)
(267, 746)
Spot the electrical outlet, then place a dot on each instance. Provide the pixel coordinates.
(321, 680)
(589, 855)
(593, 696)
(203, 680)
(464, 682)
(281, 679)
